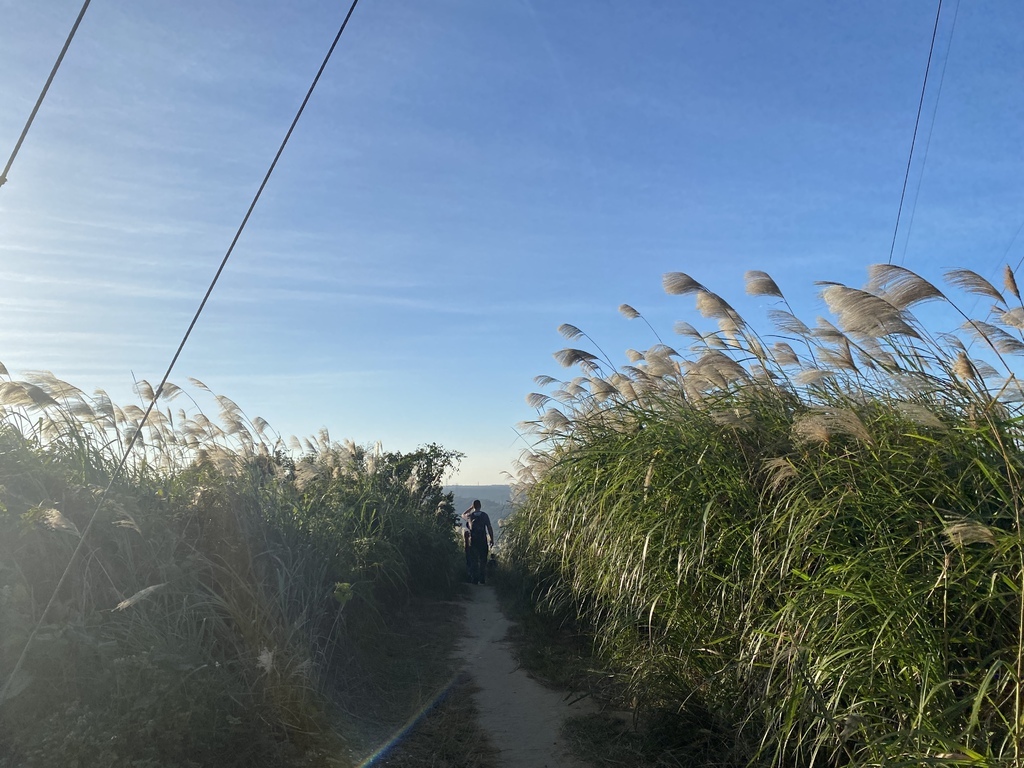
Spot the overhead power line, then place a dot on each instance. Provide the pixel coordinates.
(917, 122)
(174, 359)
(931, 131)
(42, 94)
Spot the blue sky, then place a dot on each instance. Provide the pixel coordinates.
(467, 176)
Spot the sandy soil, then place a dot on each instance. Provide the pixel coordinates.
(522, 718)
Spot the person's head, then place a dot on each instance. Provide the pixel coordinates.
(476, 505)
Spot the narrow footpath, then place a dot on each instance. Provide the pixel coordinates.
(522, 718)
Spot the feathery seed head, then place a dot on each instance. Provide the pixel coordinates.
(964, 369)
(761, 284)
(810, 376)
(1003, 342)
(820, 425)
(1011, 317)
(865, 314)
(569, 357)
(780, 471)
(537, 400)
(899, 286)
(1010, 282)
(569, 331)
(920, 415)
(680, 284)
(784, 355)
(628, 311)
(964, 532)
(712, 305)
(683, 328)
(972, 282)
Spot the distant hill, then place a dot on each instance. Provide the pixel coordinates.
(495, 500)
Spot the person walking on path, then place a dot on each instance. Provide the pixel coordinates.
(480, 532)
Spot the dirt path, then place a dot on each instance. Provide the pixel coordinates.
(522, 718)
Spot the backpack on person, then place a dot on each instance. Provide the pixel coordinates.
(478, 529)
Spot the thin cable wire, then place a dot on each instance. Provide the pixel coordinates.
(42, 94)
(181, 346)
(931, 132)
(917, 122)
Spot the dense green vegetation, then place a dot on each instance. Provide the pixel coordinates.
(810, 540)
(226, 598)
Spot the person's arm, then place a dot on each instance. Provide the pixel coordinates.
(490, 531)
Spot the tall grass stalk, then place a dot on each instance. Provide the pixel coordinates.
(227, 587)
(812, 533)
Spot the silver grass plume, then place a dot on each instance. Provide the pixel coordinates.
(570, 331)
(537, 399)
(717, 369)
(871, 355)
(761, 284)
(683, 328)
(56, 388)
(623, 385)
(23, 394)
(963, 532)
(810, 376)
(714, 306)
(170, 391)
(985, 371)
(779, 471)
(262, 426)
(628, 311)
(784, 355)
(825, 330)
(820, 425)
(899, 286)
(1010, 282)
(572, 390)
(920, 415)
(964, 369)
(555, 420)
(569, 357)
(680, 284)
(715, 341)
(915, 384)
(1011, 317)
(865, 314)
(602, 389)
(738, 418)
(144, 390)
(659, 361)
(972, 282)
(840, 356)
(787, 322)
(1003, 342)
(544, 380)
